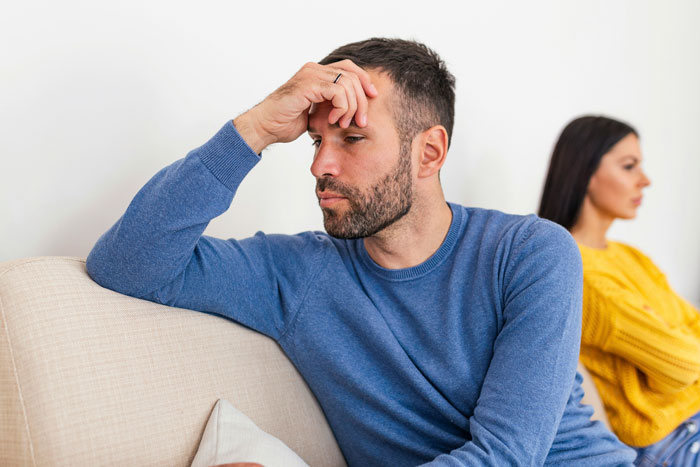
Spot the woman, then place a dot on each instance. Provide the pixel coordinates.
(640, 340)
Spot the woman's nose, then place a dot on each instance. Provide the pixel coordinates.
(644, 181)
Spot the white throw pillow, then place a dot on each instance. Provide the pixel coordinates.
(230, 436)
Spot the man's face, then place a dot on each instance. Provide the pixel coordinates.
(364, 179)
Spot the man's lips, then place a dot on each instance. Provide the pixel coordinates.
(327, 199)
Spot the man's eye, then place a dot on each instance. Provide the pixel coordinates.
(316, 143)
(353, 139)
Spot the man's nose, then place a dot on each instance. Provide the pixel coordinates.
(326, 161)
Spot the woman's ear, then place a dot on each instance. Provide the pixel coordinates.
(433, 151)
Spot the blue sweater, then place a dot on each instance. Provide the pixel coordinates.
(466, 359)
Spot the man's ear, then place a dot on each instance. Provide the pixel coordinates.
(433, 151)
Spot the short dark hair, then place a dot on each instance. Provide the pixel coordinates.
(575, 158)
(426, 89)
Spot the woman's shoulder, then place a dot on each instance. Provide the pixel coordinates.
(633, 253)
(618, 258)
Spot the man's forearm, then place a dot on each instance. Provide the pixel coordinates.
(156, 236)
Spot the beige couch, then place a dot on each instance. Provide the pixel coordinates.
(92, 377)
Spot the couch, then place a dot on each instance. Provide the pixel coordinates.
(92, 377)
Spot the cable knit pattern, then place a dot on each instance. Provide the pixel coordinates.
(641, 343)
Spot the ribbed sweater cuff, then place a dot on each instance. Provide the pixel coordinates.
(228, 156)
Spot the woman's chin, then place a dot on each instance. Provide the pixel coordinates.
(628, 215)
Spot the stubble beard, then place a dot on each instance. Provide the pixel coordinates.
(374, 210)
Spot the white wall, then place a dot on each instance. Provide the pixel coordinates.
(95, 97)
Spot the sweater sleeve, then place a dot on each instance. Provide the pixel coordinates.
(156, 250)
(532, 371)
(691, 317)
(617, 320)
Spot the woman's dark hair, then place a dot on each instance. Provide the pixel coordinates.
(576, 156)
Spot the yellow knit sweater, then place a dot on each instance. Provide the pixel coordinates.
(641, 343)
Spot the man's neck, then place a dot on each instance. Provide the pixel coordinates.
(413, 239)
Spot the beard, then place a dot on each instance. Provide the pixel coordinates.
(374, 209)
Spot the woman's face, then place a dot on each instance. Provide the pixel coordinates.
(615, 189)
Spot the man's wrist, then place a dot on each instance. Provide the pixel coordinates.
(248, 127)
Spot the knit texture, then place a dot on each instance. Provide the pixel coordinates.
(641, 343)
(466, 359)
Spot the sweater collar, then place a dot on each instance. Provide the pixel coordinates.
(414, 272)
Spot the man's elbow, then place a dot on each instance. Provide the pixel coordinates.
(107, 272)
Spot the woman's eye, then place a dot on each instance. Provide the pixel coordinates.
(316, 143)
(629, 167)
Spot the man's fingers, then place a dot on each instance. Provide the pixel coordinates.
(337, 96)
(357, 85)
(351, 97)
(337, 86)
(363, 76)
(361, 101)
(362, 89)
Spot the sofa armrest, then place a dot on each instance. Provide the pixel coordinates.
(92, 377)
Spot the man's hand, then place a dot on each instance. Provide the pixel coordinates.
(283, 115)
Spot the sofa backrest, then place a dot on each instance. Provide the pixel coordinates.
(92, 377)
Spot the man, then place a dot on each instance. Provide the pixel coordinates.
(429, 332)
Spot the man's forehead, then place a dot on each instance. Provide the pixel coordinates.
(312, 129)
(384, 84)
